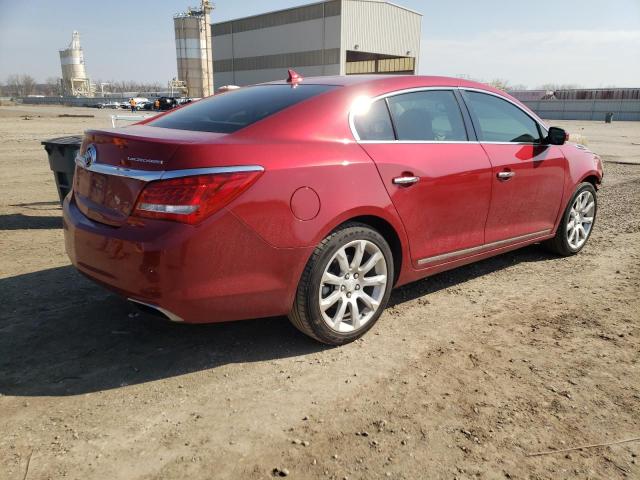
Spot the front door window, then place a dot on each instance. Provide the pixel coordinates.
(500, 121)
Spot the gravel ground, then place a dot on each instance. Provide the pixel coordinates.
(466, 375)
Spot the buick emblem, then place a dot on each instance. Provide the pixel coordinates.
(90, 156)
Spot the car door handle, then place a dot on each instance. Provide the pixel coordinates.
(505, 175)
(405, 180)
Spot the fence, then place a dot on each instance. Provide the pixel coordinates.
(585, 109)
(71, 101)
(549, 109)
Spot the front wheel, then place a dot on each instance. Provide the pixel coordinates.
(577, 222)
(345, 285)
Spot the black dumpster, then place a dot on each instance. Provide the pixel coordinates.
(62, 154)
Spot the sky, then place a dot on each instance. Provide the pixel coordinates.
(590, 43)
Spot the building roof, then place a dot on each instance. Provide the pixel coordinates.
(390, 3)
(316, 3)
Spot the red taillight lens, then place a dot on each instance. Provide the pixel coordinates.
(192, 199)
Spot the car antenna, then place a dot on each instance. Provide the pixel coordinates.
(294, 78)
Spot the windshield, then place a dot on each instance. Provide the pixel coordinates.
(234, 110)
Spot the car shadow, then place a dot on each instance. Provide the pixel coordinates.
(62, 335)
(460, 275)
(18, 221)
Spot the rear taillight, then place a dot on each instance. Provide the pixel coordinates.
(192, 199)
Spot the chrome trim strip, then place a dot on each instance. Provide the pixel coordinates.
(479, 248)
(456, 142)
(210, 170)
(152, 175)
(171, 316)
(459, 142)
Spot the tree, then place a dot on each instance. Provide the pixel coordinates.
(52, 87)
(499, 83)
(20, 85)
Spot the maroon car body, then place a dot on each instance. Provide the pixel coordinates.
(293, 177)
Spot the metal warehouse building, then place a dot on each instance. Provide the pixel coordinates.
(338, 37)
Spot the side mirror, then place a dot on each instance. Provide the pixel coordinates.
(556, 136)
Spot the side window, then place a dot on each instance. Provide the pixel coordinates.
(375, 124)
(500, 121)
(431, 115)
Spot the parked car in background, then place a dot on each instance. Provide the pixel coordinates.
(138, 100)
(314, 199)
(113, 105)
(148, 105)
(143, 105)
(167, 103)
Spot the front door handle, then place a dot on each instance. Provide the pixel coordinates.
(405, 180)
(505, 175)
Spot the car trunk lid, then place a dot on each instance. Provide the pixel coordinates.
(107, 184)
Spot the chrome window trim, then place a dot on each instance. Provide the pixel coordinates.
(153, 175)
(458, 142)
(483, 247)
(419, 141)
(533, 117)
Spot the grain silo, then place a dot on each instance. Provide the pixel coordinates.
(75, 81)
(193, 50)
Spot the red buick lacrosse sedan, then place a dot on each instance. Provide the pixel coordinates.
(314, 198)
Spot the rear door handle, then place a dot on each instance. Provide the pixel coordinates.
(505, 175)
(405, 180)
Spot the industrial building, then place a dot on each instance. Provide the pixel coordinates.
(193, 50)
(337, 37)
(75, 81)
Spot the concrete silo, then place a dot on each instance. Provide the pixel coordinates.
(75, 81)
(193, 50)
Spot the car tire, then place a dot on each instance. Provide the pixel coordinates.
(353, 268)
(577, 222)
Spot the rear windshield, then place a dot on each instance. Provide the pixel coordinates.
(234, 110)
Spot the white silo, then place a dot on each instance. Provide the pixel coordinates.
(75, 81)
(193, 50)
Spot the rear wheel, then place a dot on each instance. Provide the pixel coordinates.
(577, 222)
(345, 285)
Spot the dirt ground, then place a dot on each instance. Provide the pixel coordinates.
(466, 374)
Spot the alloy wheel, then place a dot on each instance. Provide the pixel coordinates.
(580, 219)
(352, 286)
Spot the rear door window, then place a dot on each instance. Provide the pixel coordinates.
(375, 123)
(430, 115)
(498, 120)
(231, 111)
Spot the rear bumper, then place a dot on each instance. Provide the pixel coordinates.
(219, 270)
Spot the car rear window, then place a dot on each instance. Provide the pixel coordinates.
(234, 110)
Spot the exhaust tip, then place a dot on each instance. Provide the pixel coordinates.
(155, 310)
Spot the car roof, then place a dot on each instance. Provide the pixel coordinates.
(382, 83)
(396, 80)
